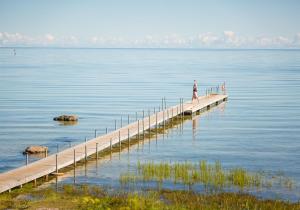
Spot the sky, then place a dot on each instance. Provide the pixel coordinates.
(151, 23)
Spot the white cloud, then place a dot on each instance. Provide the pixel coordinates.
(296, 40)
(49, 37)
(227, 39)
(209, 39)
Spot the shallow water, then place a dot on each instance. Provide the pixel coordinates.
(258, 128)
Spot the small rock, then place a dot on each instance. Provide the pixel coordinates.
(66, 118)
(35, 150)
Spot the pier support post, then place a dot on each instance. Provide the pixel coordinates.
(27, 159)
(96, 151)
(56, 163)
(136, 116)
(121, 122)
(165, 102)
(34, 183)
(85, 151)
(128, 120)
(149, 125)
(172, 116)
(57, 150)
(156, 124)
(128, 138)
(74, 156)
(110, 146)
(167, 114)
(138, 130)
(115, 124)
(143, 124)
(95, 133)
(120, 140)
(162, 103)
(164, 119)
(182, 108)
(106, 130)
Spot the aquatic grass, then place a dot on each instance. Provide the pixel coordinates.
(211, 175)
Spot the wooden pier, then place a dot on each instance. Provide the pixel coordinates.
(53, 163)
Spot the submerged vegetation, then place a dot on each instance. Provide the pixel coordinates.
(91, 197)
(212, 176)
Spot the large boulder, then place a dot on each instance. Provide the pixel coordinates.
(66, 118)
(35, 150)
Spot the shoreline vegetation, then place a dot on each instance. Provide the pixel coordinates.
(87, 197)
(211, 175)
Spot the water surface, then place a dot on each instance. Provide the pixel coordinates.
(258, 128)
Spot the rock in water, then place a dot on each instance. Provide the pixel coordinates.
(66, 118)
(35, 150)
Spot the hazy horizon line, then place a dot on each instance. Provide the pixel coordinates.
(142, 48)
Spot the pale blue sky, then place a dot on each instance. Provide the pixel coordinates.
(133, 20)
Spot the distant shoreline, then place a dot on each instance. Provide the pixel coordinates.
(155, 48)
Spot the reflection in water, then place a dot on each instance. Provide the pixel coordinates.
(194, 126)
(67, 123)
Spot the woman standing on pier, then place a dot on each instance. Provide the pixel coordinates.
(195, 91)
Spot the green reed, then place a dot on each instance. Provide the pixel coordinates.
(211, 175)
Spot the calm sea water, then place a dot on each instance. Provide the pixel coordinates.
(258, 128)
